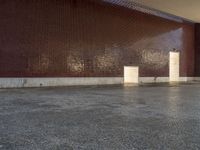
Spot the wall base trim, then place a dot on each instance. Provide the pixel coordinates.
(164, 79)
(73, 81)
(47, 82)
(196, 78)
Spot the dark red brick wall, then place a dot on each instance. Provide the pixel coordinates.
(52, 38)
(197, 49)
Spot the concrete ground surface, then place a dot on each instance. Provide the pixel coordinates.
(147, 117)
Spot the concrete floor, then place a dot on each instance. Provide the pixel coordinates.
(160, 117)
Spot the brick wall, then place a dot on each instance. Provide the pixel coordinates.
(80, 38)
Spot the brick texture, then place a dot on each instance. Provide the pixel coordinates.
(82, 38)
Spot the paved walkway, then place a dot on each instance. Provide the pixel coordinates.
(96, 118)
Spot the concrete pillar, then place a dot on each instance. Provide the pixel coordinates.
(174, 66)
(131, 74)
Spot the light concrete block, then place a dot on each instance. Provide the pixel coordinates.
(131, 74)
(174, 64)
